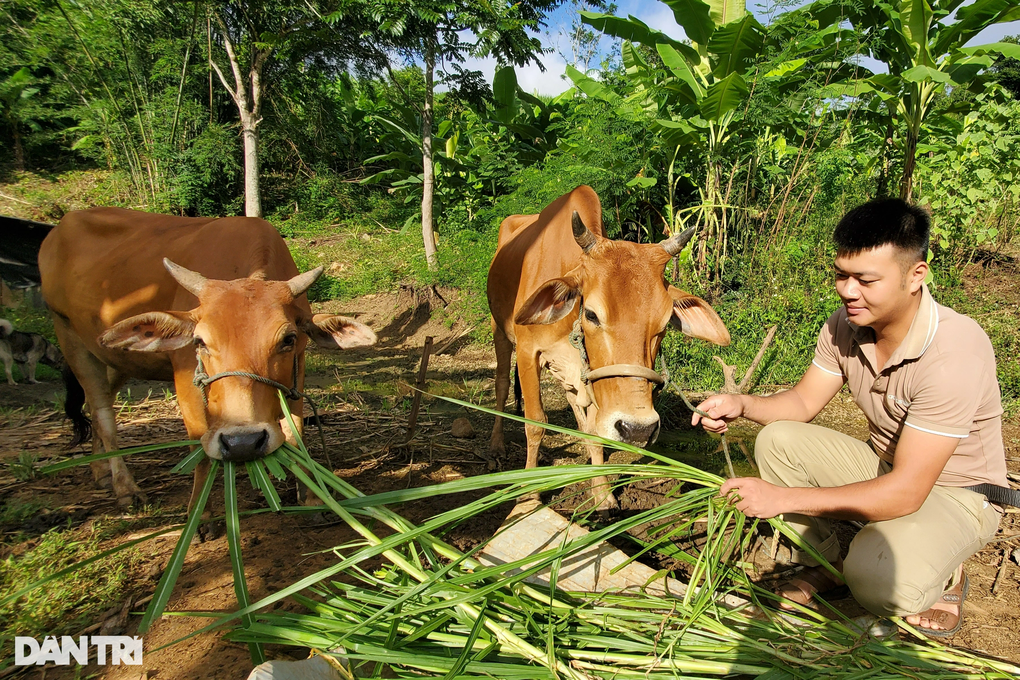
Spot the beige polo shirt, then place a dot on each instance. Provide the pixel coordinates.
(941, 380)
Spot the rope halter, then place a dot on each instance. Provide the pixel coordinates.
(589, 376)
(202, 380)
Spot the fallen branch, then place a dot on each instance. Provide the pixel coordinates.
(730, 385)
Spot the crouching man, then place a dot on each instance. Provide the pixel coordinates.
(924, 376)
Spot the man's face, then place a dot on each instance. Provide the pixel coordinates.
(874, 286)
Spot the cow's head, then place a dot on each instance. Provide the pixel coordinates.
(626, 307)
(247, 325)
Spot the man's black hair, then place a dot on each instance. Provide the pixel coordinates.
(881, 221)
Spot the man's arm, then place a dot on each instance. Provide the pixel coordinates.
(920, 458)
(802, 403)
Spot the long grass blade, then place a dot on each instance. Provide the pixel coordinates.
(189, 462)
(176, 563)
(233, 529)
(258, 471)
(91, 458)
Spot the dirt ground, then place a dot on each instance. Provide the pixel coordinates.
(364, 398)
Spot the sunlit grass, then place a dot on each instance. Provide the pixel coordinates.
(69, 604)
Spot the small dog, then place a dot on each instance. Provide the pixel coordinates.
(26, 349)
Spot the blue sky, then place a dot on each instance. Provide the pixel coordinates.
(658, 16)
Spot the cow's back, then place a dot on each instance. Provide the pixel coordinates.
(533, 249)
(103, 265)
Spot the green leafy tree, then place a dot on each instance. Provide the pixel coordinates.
(18, 110)
(690, 93)
(924, 46)
(433, 33)
(264, 39)
(1006, 70)
(973, 177)
(478, 149)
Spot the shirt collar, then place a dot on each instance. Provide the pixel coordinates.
(919, 336)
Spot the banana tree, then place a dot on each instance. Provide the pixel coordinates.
(18, 109)
(473, 149)
(695, 103)
(923, 45)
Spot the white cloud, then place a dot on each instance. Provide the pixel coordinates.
(530, 78)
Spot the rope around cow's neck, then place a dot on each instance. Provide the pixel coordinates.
(202, 380)
(577, 342)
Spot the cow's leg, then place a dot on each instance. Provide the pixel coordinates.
(504, 353)
(530, 370)
(124, 486)
(102, 473)
(601, 492)
(104, 421)
(95, 381)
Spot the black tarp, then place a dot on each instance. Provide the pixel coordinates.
(19, 251)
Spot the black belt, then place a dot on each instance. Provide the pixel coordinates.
(997, 494)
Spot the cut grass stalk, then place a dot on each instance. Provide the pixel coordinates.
(173, 568)
(93, 457)
(233, 530)
(438, 612)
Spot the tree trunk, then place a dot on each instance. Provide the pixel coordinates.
(19, 150)
(249, 113)
(909, 162)
(883, 178)
(429, 184)
(252, 196)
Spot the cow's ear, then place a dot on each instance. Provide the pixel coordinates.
(553, 300)
(330, 331)
(696, 318)
(151, 332)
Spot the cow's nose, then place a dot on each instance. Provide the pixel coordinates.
(637, 433)
(238, 447)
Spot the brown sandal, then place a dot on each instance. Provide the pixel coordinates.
(812, 581)
(949, 621)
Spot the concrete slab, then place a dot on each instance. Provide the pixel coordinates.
(531, 529)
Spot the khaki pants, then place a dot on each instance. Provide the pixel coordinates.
(895, 567)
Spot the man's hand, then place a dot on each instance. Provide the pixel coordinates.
(722, 408)
(754, 497)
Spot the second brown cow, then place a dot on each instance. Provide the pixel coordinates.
(557, 273)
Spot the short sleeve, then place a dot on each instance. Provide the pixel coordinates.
(826, 350)
(947, 396)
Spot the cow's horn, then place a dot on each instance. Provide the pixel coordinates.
(674, 244)
(193, 282)
(302, 282)
(582, 234)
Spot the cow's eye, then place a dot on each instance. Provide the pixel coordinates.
(198, 342)
(591, 316)
(288, 342)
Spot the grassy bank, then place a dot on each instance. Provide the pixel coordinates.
(782, 278)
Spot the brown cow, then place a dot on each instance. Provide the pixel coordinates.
(122, 308)
(551, 271)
